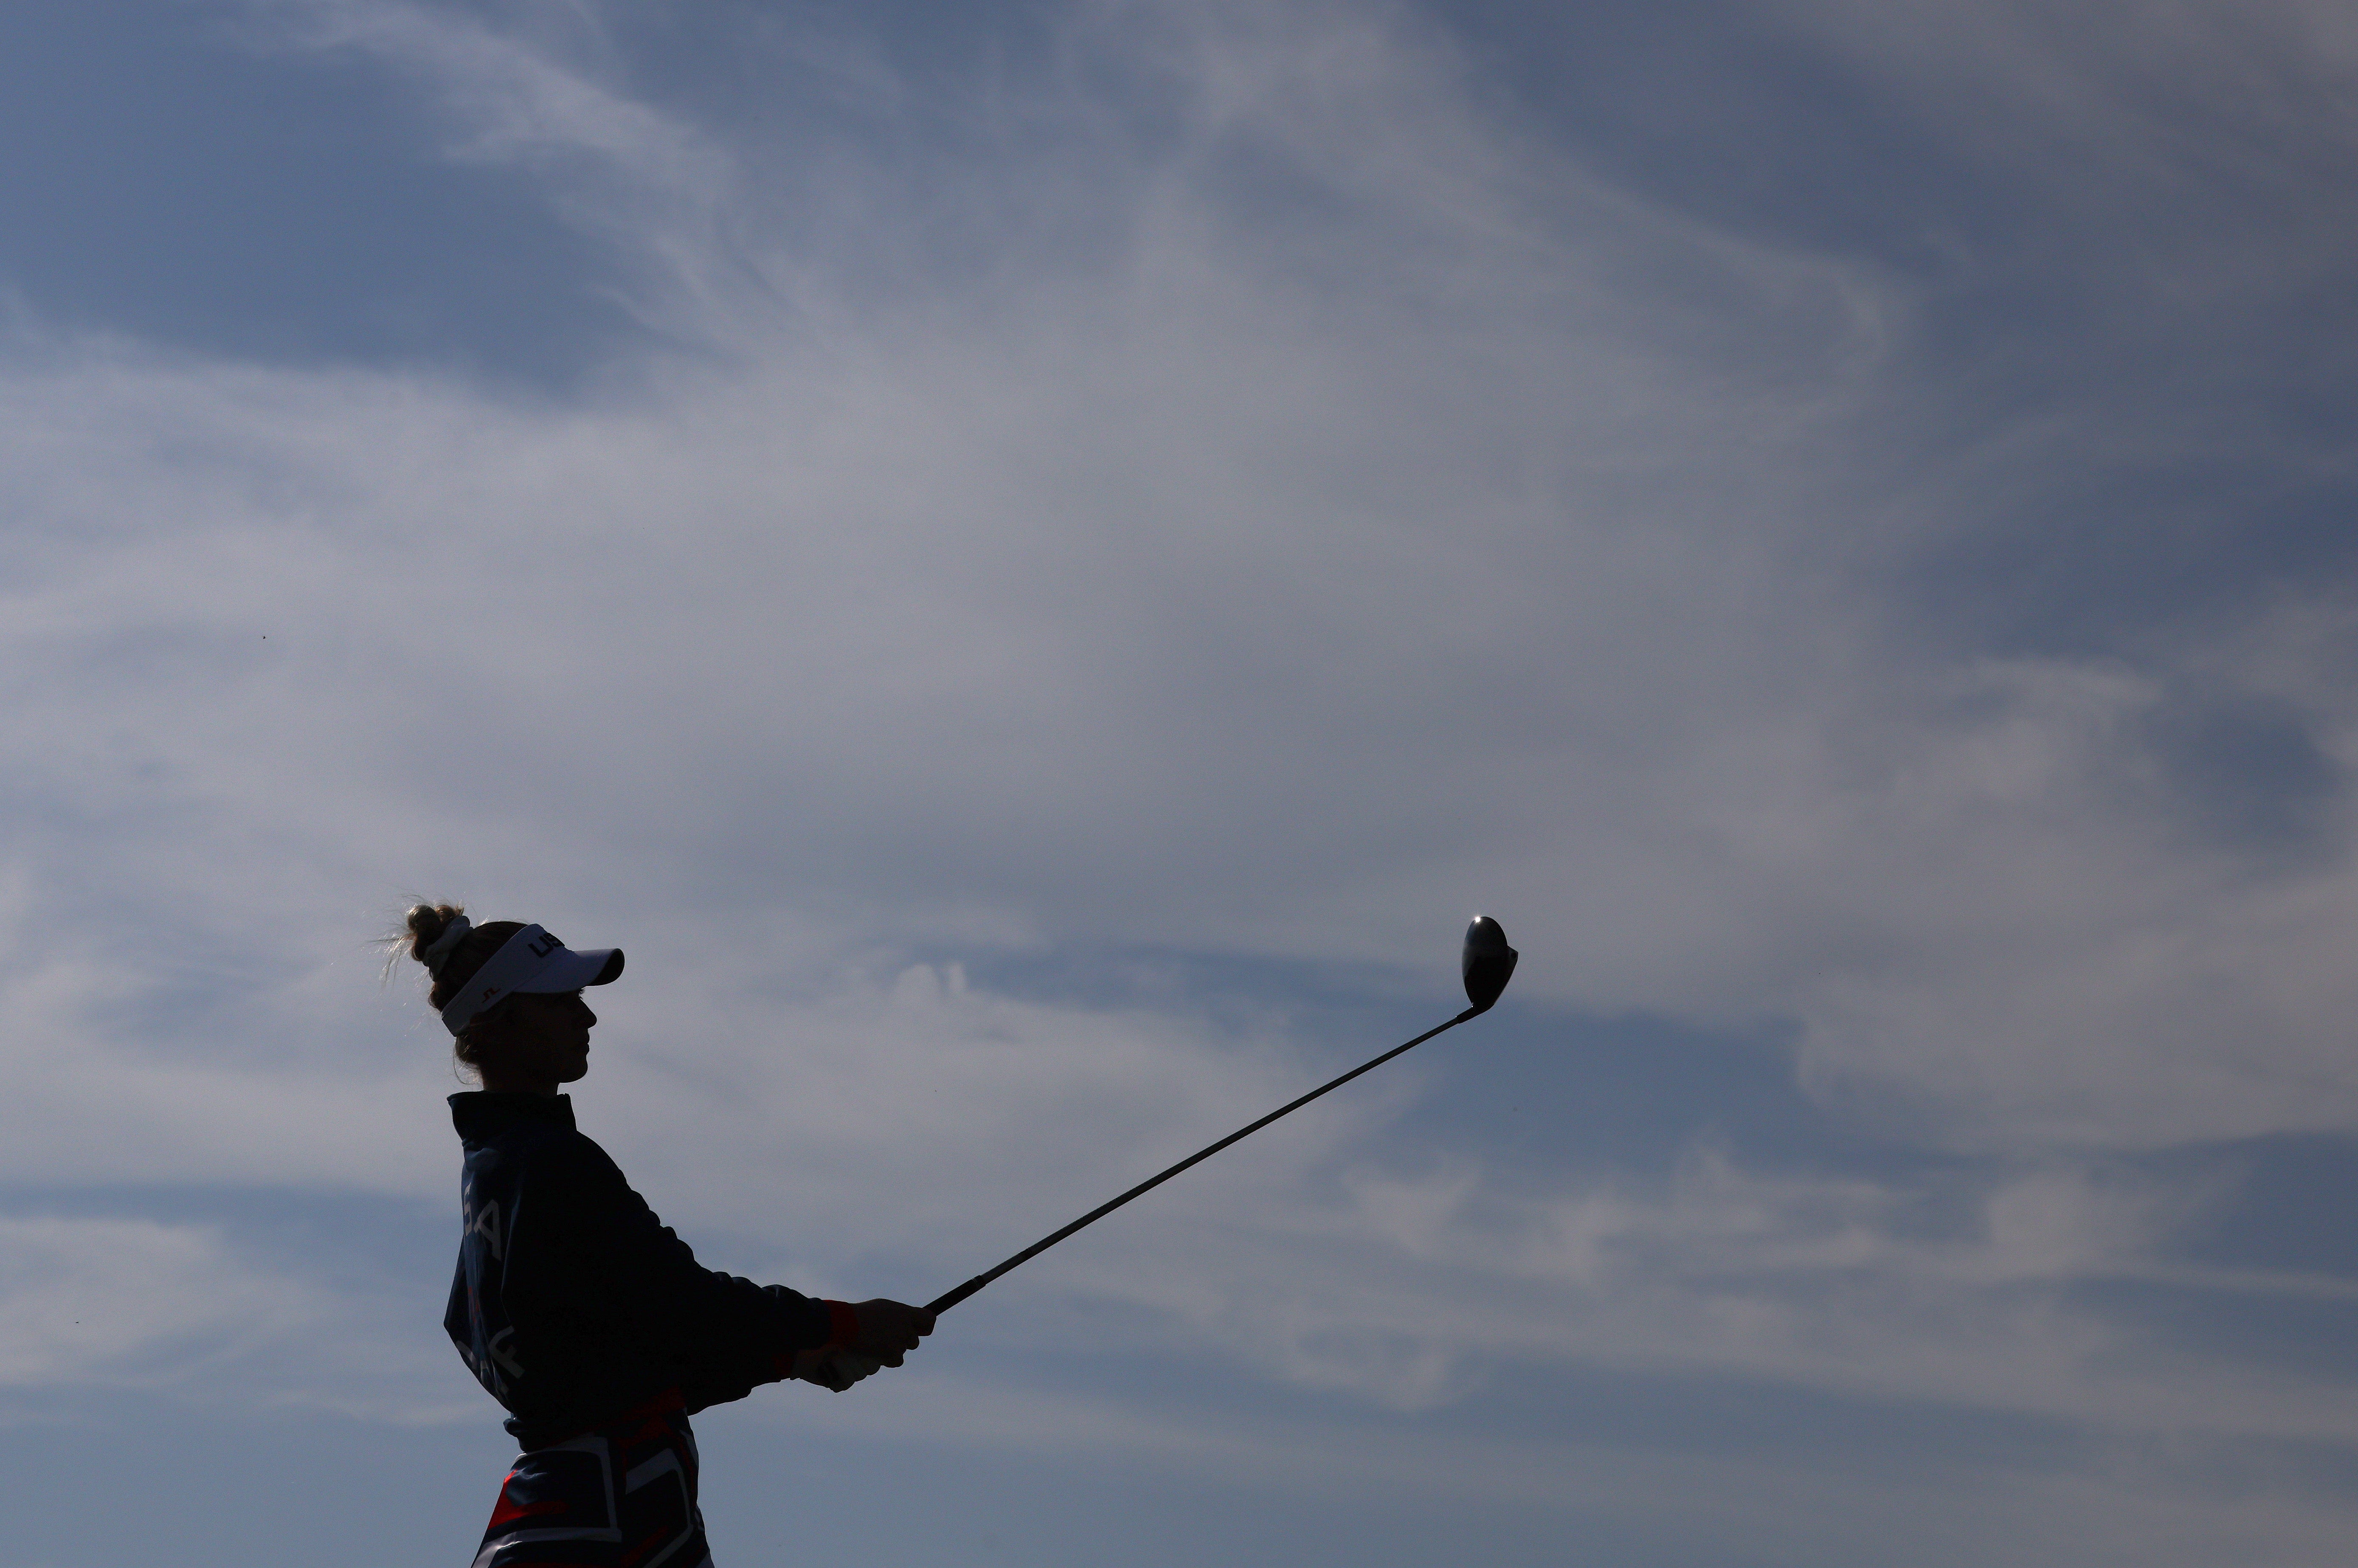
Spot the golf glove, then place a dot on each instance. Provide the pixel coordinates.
(838, 1369)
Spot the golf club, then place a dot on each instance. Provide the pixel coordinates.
(1488, 964)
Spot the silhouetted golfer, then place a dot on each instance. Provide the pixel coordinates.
(576, 1307)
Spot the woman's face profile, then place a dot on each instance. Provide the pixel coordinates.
(542, 1041)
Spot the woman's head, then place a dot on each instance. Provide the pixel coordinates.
(509, 993)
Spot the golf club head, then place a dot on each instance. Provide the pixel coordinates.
(1489, 963)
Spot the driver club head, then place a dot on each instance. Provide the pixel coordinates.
(1489, 962)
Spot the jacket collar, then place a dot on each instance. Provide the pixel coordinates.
(481, 1116)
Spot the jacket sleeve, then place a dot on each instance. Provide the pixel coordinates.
(721, 1335)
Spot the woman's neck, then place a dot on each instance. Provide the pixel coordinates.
(518, 1083)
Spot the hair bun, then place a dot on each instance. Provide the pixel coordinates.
(430, 924)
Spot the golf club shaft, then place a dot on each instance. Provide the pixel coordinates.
(943, 1304)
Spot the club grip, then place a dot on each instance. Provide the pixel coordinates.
(943, 1303)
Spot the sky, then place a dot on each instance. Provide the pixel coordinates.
(1033, 565)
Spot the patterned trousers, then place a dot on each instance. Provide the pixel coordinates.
(619, 1497)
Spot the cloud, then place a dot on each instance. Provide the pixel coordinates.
(2045, 1297)
(130, 1303)
(534, 100)
(1782, 1490)
(1255, 582)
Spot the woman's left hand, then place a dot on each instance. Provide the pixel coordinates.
(888, 1328)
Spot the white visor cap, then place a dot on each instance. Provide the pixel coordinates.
(531, 960)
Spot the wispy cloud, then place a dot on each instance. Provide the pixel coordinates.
(132, 1303)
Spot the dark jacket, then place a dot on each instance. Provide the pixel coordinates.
(573, 1304)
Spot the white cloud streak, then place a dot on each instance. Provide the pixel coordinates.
(129, 1302)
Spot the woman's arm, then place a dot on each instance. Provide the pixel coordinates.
(722, 1334)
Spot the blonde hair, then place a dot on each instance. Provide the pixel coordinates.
(424, 925)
